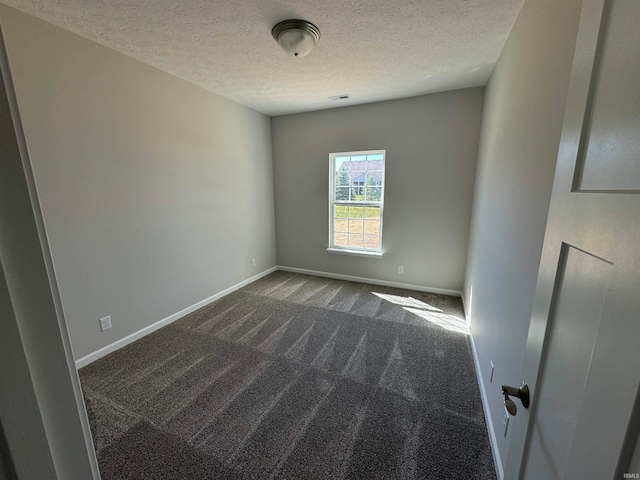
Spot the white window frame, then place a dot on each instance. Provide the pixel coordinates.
(333, 248)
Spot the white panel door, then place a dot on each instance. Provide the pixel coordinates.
(582, 360)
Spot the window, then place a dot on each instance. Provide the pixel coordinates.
(356, 199)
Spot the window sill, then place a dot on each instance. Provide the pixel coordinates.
(357, 253)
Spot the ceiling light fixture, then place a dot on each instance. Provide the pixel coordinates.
(296, 37)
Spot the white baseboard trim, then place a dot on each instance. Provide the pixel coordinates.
(493, 440)
(92, 357)
(373, 281)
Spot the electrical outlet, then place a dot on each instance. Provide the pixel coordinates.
(491, 376)
(505, 421)
(105, 323)
(253, 262)
(400, 269)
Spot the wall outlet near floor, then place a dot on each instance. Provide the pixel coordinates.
(505, 421)
(105, 323)
(491, 376)
(253, 262)
(400, 269)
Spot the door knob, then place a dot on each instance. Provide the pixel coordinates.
(522, 393)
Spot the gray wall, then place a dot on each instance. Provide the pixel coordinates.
(431, 143)
(521, 126)
(156, 194)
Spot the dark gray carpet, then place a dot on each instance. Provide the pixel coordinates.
(295, 377)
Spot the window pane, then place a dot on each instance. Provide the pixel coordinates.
(377, 156)
(356, 212)
(356, 226)
(342, 194)
(356, 240)
(372, 227)
(359, 178)
(339, 164)
(373, 194)
(342, 178)
(341, 225)
(372, 241)
(374, 178)
(341, 239)
(358, 158)
(372, 212)
(357, 194)
(340, 211)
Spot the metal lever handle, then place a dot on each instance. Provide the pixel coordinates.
(522, 393)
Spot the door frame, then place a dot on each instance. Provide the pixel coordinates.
(44, 417)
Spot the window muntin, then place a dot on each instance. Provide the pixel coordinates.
(356, 200)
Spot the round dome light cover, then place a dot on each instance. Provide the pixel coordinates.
(296, 37)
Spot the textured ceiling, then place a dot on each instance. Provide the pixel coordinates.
(370, 49)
